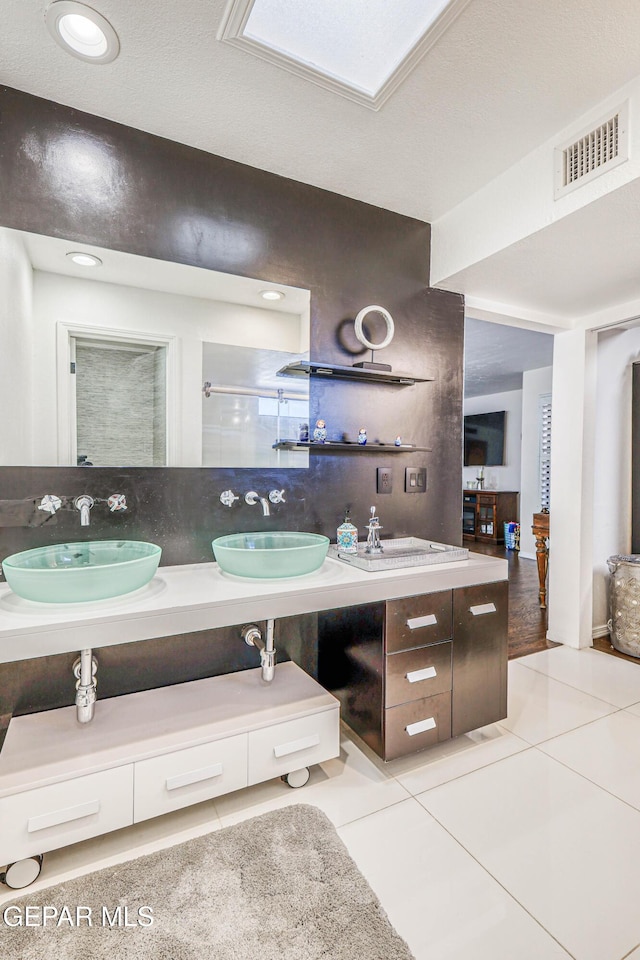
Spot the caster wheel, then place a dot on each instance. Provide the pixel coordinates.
(297, 778)
(22, 872)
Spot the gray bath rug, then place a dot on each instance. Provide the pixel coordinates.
(278, 887)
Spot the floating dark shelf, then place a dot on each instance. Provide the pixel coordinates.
(333, 371)
(331, 446)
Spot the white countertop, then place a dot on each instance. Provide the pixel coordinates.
(183, 599)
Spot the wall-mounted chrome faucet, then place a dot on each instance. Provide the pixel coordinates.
(252, 497)
(84, 505)
(50, 503)
(228, 498)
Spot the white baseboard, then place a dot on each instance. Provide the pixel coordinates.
(527, 556)
(601, 631)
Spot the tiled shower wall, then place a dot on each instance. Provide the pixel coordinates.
(114, 391)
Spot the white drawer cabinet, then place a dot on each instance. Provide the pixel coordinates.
(277, 750)
(49, 817)
(177, 779)
(61, 782)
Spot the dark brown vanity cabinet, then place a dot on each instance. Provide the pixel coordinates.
(415, 671)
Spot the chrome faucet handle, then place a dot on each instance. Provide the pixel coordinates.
(117, 502)
(50, 503)
(228, 498)
(277, 496)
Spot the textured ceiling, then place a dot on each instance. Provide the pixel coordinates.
(496, 356)
(505, 76)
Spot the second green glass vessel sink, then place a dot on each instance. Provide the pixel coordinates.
(270, 555)
(80, 572)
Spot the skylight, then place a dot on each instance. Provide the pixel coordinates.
(362, 49)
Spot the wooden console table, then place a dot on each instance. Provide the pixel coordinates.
(540, 530)
(485, 513)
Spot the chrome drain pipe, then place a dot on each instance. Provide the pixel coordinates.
(84, 670)
(252, 635)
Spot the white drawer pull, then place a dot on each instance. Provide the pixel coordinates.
(194, 776)
(58, 817)
(481, 608)
(415, 622)
(284, 749)
(420, 726)
(425, 674)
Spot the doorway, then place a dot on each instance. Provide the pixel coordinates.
(508, 369)
(115, 397)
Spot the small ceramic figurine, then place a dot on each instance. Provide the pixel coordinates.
(303, 433)
(398, 441)
(362, 435)
(320, 432)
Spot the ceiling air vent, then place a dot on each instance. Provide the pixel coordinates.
(593, 152)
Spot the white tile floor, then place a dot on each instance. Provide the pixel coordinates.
(521, 840)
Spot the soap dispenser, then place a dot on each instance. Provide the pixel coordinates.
(347, 535)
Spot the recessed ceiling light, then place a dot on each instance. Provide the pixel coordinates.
(84, 259)
(272, 295)
(81, 31)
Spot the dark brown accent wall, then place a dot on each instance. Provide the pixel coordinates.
(68, 174)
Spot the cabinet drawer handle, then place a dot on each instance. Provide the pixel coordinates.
(481, 608)
(57, 817)
(194, 776)
(284, 749)
(425, 674)
(416, 622)
(420, 726)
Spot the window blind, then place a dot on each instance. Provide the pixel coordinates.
(544, 434)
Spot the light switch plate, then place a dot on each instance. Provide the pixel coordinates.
(415, 480)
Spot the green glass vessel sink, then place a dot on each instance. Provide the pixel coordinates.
(79, 572)
(271, 555)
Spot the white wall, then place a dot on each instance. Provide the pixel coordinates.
(520, 201)
(570, 594)
(535, 383)
(617, 350)
(16, 345)
(508, 476)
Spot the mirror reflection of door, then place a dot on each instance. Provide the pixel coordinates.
(120, 393)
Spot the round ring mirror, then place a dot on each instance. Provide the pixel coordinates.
(359, 330)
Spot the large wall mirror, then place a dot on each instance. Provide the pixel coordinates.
(128, 361)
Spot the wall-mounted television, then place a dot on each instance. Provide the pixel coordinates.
(484, 439)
